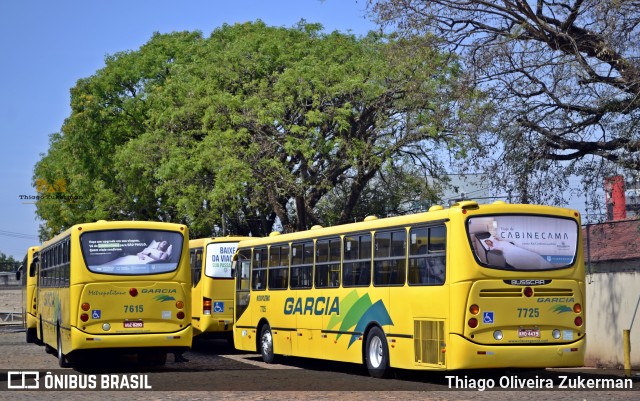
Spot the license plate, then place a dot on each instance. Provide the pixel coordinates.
(522, 333)
(133, 325)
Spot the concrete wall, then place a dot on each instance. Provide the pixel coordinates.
(611, 303)
(8, 279)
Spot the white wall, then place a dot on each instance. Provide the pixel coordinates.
(611, 303)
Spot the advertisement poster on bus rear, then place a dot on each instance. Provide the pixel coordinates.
(218, 262)
(524, 242)
(131, 252)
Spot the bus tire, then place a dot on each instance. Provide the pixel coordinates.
(230, 341)
(266, 345)
(32, 335)
(47, 348)
(62, 359)
(377, 353)
(152, 357)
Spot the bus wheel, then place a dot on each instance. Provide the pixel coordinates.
(32, 335)
(377, 353)
(266, 345)
(229, 338)
(47, 348)
(152, 357)
(62, 360)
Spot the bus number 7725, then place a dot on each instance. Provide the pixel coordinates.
(528, 312)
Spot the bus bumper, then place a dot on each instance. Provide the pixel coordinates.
(212, 326)
(463, 354)
(176, 340)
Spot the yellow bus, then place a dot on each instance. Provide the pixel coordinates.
(466, 287)
(29, 271)
(117, 286)
(213, 285)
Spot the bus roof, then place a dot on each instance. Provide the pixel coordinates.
(436, 213)
(198, 242)
(114, 225)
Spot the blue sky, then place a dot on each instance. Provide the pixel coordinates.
(48, 45)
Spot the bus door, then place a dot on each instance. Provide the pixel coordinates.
(317, 303)
(426, 299)
(195, 260)
(217, 272)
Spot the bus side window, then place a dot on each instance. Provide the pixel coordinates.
(259, 269)
(356, 267)
(301, 265)
(389, 262)
(244, 261)
(427, 255)
(196, 265)
(328, 263)
(278, 267)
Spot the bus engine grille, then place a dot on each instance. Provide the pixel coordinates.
(429, 342)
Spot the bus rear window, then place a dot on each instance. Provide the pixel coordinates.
(218, 262)
(131, 252)
(523, 242)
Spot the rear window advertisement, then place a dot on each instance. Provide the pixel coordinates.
(524, 242)
(218, 263)
(131, 252)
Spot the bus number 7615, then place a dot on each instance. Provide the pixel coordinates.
(133, 308)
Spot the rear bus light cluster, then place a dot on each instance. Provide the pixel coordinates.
(206, 306)
(180, 314)
(474, 310)
(85, 316)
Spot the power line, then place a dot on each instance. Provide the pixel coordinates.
(18, 235)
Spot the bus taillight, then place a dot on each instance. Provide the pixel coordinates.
(206, 306)
(577, 308)
(133, 292)
(86, 306)
(474, 309)
(179, 304)
(84, 317)
(473, 322)
(578, 321)
(180, 315)
(528, 291)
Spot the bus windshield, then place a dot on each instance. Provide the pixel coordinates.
(523, 242)
(131, 252)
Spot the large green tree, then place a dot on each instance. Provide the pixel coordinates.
(108, 109)
(564, 75)
(252, 125)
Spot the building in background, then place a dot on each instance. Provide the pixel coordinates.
(613, 246)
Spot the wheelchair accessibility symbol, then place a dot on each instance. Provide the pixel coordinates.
(487, 317)
(218, 306)
(96, 313)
